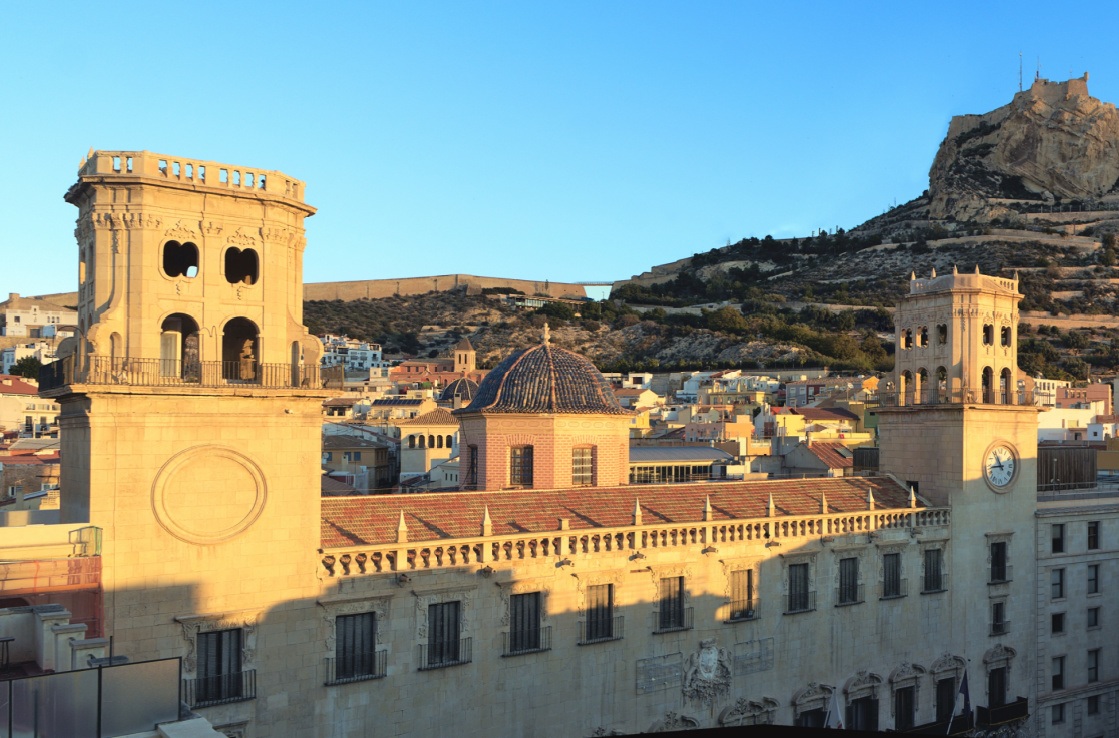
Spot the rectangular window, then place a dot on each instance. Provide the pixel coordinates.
(742, 605)
(998, 618)
(524, 623)
(1093, 535)
(472, 467)
(1057, 672)
(945, 698)
(905, 704)
(1057, 584)
(934, 573)
(355, 647)
(848, 581)
(1093, 617)
(520, 466)
(996, 687)
(998, 562)
(799, 596)
(1057, 623)
(670, 606)
(1093, 579)
(582, 467)
(891, 575)
(219, 667)
(1094, 705)
(1058, 714)
(599, 625)
(443, 641)
(1094, 665)
(1057, 533)
(862, 714)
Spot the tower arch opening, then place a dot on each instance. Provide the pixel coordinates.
(240, 350)
(179, 347)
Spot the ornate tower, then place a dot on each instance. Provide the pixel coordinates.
(955, 427)
(190, 405)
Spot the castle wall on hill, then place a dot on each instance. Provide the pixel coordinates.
(374, 288)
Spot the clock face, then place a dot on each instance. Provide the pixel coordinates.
(999, 466)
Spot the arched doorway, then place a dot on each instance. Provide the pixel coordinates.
(178, 347)
(988, 385)
(1004, 387)
(240, 350)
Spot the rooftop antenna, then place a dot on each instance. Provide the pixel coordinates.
(1037, 74)
(1019, 71)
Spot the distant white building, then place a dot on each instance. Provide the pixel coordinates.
(355, 356)
(31, 316)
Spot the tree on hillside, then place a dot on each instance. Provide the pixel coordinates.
(27, 367)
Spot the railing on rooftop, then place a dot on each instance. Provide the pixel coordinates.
(450, 552)
(988, 717)
(953, 396)
(104, 370)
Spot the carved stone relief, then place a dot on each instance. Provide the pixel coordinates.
(707, 673)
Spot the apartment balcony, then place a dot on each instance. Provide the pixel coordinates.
(220, 689)
(356, 667)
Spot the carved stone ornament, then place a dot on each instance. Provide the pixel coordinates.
(192, 625)
(946, 662)
(179, 232)
(423, 601)
(999, 654)
(237, 238)
(377, 605)
(863, 684)
(814, 696)
(748, 712)
(673, 721)
(524, 587)
(707, 673)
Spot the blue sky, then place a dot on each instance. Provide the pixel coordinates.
(539, 140)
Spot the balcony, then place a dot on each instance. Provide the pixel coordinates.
(103, 370)
(743, 610)
(955, 396)
(895, 589)
(441, 654)
(849, 595)
(356, 667)
(798, 602)
(1000, 627)
(934, 583)
(220, 689)
(1001, 574)
(519, 642)
(601, 630)
(958, 725)
(989, 717)
(670, 621)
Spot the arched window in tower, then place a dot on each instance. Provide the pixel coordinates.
(180, 259)
(923, 336)
(942, 334)
(240, 350)
(921, 390)
(431, 441)
(423, 441)
(907, 338)
(411, 441)
(988, 335)
(905, 388)
(439, 441)
(942, 384)
(988, 385)
(178, 347)
(241, 267)
(1006, 336)
(450, 441)
(1004, 387)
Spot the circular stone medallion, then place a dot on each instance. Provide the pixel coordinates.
(208, 494)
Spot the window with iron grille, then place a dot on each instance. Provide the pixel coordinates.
(582, 466)
(848, 581)
(998, 562)
(520, 466)
(742, 605)
(219, 666)
(443, 630)
(1093, 534)
(524, 623)
(599, 624)
(891, 575)
(999, 623)
(355, 646)
(934, 570)
(670, 604)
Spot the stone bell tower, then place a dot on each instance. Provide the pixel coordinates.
(954, 425)
(191, 402)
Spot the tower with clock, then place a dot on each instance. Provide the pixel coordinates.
(957, 425)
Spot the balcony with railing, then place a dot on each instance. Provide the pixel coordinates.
(743, 610)
(356, 667)
(527, 640)
(445, 653)
(952, 396)
(893, 589)
(957, 725)
(1000, 627)
(934, 583)
(220, 689)
(989, 717)
(104, 370)
(601, 630)
(670, 621)
(1001, 574)
(800, 601)
(849, 595)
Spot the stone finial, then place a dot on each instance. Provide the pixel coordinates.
(1015, 275)
(708, 512)
(870, 498)
(401, 530)
(912, 276)
(487, 524)
(912, 497)
(932, 275)
(547, 333)
(637, 511)
(955, 270)
(90, 154)
(772, 511)
(823, 504)
(977, 269)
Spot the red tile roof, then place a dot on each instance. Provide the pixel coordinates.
(825, 413)
(10, 384)
(355, 521)
(829, 453)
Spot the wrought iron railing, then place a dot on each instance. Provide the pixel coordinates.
(441, 654)
(802, 601)
(1000, 627)
(531, 640)
(894, 589)
(849, 595)
(356, 667)
(220, 689)
(988, 717)
(743, 610)
(104, 370)
(1001, 574)
(601, 630)
(957, 725)
(671, 621)
(954, 396)
(933, 583)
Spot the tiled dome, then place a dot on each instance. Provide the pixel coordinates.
(545, 379)
(462, 387)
